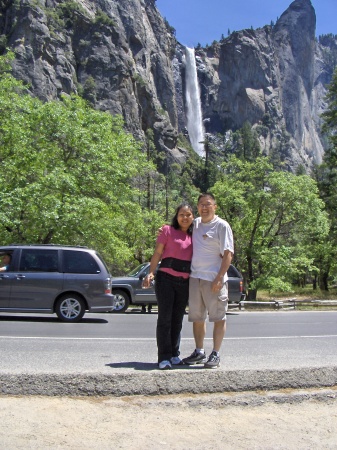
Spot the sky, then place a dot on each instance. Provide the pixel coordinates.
(203, 21)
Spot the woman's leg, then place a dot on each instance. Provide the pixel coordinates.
(178, 312)
(165, 299)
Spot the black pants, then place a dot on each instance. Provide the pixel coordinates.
(172, 298)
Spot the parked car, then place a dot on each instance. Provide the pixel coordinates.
(128, 290)
(55, 279)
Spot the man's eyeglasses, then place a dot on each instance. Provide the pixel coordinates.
(205, 205)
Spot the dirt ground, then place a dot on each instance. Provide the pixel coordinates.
(274, 420)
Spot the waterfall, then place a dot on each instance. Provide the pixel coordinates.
(193, 105)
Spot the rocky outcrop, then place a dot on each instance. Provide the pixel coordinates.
(123, 57)
(273, 78)
(117, 54)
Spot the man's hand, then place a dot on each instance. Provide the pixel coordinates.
(217, 284)
(218, 281)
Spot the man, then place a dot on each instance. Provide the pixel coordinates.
(213, 249)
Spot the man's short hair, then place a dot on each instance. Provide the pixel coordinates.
(206, 194)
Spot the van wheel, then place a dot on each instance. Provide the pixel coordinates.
(121, 302)
(70, 308)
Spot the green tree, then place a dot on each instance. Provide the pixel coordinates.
(246, 143)
(275, 216)
(327, 181)
(89, 89)
(67, 174)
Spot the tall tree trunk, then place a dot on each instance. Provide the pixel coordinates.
(323, 281)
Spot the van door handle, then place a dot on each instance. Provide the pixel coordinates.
(4, 276)
(19, 276)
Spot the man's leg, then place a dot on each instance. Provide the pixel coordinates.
(217, 308)
(197, 315)
(199, 332)
(199, 355)
(219, 331)
(217, 304)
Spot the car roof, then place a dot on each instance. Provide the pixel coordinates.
(42, 246)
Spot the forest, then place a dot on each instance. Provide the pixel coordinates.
(72, 175)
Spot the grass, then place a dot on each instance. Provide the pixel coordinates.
(302, 295)
(306, 293)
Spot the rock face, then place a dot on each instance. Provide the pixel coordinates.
(117, 54)
(272, 77)
(122, 56)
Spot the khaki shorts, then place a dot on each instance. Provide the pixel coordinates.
(203, 300)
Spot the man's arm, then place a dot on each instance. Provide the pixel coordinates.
(225, 263)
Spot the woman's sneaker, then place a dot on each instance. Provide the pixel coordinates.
(165, 365)
(176, 361)
(195, 358)
(213, 361)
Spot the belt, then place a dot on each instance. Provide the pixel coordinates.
(171, 277)
(179, 265)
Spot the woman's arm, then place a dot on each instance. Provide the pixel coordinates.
(156, 257)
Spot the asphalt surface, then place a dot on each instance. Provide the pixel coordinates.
(49, 372)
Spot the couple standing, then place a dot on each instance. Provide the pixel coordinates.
(197, 276)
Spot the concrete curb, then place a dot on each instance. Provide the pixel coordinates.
(167, 382)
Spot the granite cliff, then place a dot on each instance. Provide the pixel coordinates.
(275, 78)
(124, 58)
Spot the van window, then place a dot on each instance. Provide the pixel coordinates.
(38, 261)
(79, 262)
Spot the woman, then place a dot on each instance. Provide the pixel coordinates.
(174, 249)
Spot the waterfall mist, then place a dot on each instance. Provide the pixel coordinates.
(193, 105)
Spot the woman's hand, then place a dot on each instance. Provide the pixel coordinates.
(148, 281)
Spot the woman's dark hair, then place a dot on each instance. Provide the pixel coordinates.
(175, 223)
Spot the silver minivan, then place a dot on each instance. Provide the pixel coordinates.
(65, 280)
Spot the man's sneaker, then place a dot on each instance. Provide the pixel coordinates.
(165, 365)
(176, 361)
(213, 361)
(195, 358)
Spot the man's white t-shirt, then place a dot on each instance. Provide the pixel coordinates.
(210, 240)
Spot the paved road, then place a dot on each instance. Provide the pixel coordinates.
(259, 346)
(102, 342)
(241, 324)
